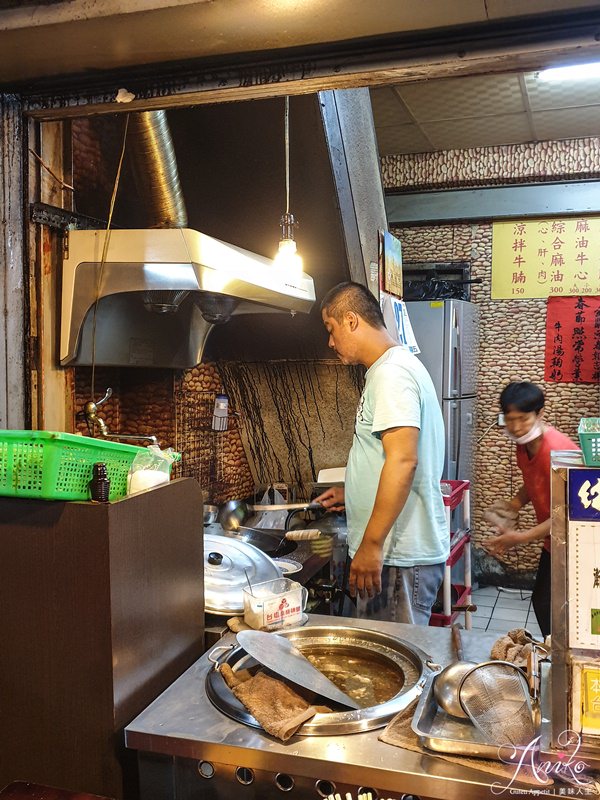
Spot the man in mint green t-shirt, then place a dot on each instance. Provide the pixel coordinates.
(398, 537)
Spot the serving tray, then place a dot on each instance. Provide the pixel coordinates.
(443, 733)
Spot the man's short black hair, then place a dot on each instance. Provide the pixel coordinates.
(351, 296)
(522, 396)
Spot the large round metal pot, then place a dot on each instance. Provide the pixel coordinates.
(345, 655)
(229, 564)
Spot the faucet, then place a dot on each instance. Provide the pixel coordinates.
(93, 421)
(90, 412)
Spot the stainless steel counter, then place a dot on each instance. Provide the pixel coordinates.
(183, 724)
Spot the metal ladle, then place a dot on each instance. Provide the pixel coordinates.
(446, 685)
(236, 512)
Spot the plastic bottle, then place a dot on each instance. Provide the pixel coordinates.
(100, 483)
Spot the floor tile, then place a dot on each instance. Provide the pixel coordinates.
(499, 625)
(483, 602)
(520, 593)
(513, 602)
(479, 623)
(487, 590)
(512, 615)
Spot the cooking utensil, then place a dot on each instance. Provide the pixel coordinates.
(447, 683)
(210, 514)
(495, 696)
(226, 561)
(280, 656)
(271, 542)
(236, 512)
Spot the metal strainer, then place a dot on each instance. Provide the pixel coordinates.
(495, 696)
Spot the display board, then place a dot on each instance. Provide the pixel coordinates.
(546, 258)
(572, 351)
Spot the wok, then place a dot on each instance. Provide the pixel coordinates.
(271, 542)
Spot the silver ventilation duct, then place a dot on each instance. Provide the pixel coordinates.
(157, 180)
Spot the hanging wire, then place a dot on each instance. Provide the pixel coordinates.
(104, 253)
(287, 153)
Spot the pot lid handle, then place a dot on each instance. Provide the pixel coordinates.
(215, 559)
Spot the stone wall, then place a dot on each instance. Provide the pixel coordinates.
(533, 162)
(288, 420)
(512, 331)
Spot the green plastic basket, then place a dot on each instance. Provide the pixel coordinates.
(589, 439)
(58, 466)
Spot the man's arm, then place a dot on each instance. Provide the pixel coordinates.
(520, 499)
(400, 446)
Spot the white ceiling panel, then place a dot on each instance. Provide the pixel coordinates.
(478, 132)
(567, 123)
(485, 110)
(402, 139)
(454, 98)
(388, 108)
(546, 95)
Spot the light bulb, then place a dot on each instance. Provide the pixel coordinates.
(287, 258)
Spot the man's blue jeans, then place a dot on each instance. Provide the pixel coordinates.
(407, 594)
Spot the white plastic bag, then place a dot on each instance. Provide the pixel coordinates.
(272, 519)
(151, 467)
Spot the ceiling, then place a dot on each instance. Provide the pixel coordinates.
(482, 110)
(40, 40)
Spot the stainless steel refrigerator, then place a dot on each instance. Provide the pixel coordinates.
(447, 332)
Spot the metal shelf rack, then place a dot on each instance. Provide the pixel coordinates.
(460, 544)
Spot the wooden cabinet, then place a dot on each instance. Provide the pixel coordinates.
(101, 608)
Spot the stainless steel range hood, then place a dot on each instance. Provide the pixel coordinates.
(215, 279)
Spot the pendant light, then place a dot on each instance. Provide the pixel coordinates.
(287, 258)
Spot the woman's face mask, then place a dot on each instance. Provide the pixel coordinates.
(523, 427)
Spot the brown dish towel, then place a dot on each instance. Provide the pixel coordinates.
(501, 514)
(272, 703)
(514, 647)
(399, 733)
(237, 624)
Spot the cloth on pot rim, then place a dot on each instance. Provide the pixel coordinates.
(272, 703)
(237, 624)
(399, 733)
(514, 647)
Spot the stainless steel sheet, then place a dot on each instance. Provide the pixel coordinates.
(282, 657)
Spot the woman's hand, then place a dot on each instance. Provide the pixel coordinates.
(332, 499)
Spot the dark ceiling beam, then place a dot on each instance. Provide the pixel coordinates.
(527, 43)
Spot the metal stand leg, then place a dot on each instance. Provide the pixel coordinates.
(467, 554)
(447, 591)
(344, 586)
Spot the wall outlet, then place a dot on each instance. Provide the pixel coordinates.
(501, 422)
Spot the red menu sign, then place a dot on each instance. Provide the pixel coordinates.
(573, 340)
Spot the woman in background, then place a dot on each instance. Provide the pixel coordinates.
(522, 404)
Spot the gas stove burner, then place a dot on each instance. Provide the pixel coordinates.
(383, 674)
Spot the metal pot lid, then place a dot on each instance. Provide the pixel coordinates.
(225, 560)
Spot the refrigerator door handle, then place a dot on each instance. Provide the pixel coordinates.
(455, 376)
